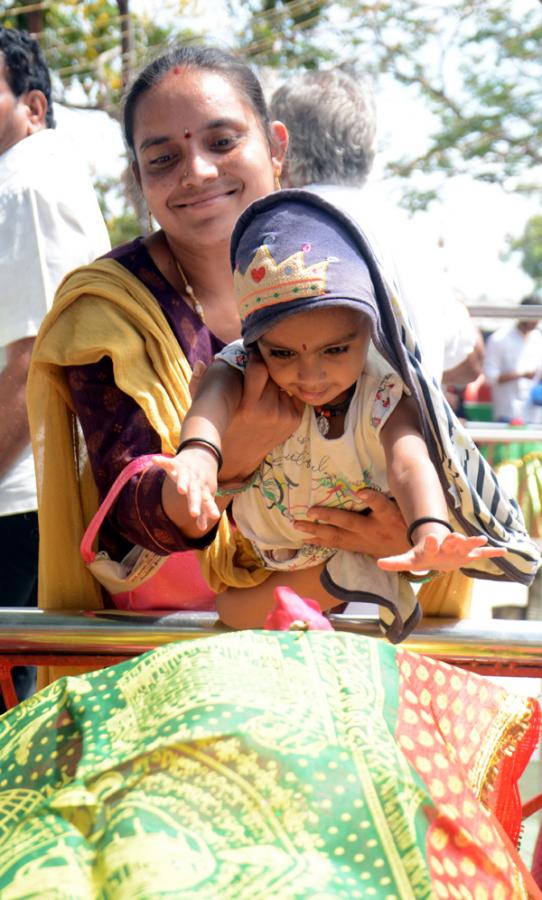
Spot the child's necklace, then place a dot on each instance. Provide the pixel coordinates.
(329, 411)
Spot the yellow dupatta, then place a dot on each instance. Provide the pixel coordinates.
(102, 310)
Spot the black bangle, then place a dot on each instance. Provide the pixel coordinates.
(204, 443)
(423, 521)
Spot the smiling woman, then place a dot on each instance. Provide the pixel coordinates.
(115, 356)
(197, 186)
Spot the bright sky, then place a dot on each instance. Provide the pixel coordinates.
(467, 227)
(471, 220)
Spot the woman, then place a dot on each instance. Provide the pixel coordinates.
(114, 356)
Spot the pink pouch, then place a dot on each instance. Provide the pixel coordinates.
(143, 579)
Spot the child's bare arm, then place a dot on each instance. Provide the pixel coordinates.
(412, 478)
(215, 403)
(415, 485)
(193, 472)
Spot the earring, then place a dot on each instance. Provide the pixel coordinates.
(277, 181)
(150, 224)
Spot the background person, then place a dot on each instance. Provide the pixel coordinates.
(513, 357)
(115, 354)
(331, 122)
(50, 222)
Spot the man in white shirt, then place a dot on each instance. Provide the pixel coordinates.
(50, 222)
(513, 357)
(331, 122)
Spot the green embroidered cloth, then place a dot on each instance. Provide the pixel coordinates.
(266, 765)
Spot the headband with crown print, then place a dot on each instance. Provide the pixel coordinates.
(267, 283)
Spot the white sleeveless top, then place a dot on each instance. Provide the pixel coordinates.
(309, 470)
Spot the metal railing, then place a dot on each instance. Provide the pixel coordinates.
(505, 312)
(498, 646)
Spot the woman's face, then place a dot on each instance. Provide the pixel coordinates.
(202, 156)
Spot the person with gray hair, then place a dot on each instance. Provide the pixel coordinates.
(332, 125)
(331, 120)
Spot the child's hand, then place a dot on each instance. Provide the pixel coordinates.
(194, 472)
(441, 553)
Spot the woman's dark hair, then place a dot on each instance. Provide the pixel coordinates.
(196, 57)
(26, 67)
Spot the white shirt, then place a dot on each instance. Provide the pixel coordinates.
(50, 222)
(510, 350)
(441, 323)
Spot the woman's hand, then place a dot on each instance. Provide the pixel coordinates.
(266, 416)
(443, 553)
(381, 532)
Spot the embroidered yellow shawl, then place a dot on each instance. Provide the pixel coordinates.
(115, 316)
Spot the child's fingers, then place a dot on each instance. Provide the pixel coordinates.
(477, 541)
(164, 463)
(460, 542)
(487, 553)
(470, 548)
(182, 481)
(210, 512)
(171, 468)
(401, 563)
(209, 505)
(430, 544)
(193, 499)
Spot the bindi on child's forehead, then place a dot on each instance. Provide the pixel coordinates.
(187, 134)
(303, 346)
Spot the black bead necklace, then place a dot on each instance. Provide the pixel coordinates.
(330, 410)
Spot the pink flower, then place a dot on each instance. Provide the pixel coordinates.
(290, 608)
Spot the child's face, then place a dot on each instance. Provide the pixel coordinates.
(318, 354)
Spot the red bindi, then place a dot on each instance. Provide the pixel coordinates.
(187, 134)
(303, 346)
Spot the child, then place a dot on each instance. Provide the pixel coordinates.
(308, 306)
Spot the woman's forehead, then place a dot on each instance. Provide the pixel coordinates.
(205, 94)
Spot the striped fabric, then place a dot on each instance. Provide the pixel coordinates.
(477, 503)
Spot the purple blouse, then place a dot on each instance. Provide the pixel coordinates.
(116, 429)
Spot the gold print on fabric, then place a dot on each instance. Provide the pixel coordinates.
(244, 766)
